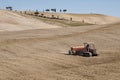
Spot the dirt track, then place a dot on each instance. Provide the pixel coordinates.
(41, 54)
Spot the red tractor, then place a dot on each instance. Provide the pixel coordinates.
(86, 50)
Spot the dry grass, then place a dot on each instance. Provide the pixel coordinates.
(41, 54)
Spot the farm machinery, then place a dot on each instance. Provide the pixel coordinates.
(87, 50)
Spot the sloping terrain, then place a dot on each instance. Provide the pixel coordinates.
(86, 18)
(41, 54)
(29, 50)
(95, 18)
(15, 21)
(10, 21)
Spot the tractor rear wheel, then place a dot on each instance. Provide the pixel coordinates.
(95, 53)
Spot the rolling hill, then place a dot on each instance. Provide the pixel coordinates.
(12, 21)
(40, 53)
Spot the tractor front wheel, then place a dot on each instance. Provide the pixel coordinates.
(87, 54)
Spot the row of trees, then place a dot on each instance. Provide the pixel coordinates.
(47, 10)
(54, 10)
(37, 13)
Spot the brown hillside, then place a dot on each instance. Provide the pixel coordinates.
(41, 54)
(11, 21)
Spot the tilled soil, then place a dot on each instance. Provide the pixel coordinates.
(42, 54)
